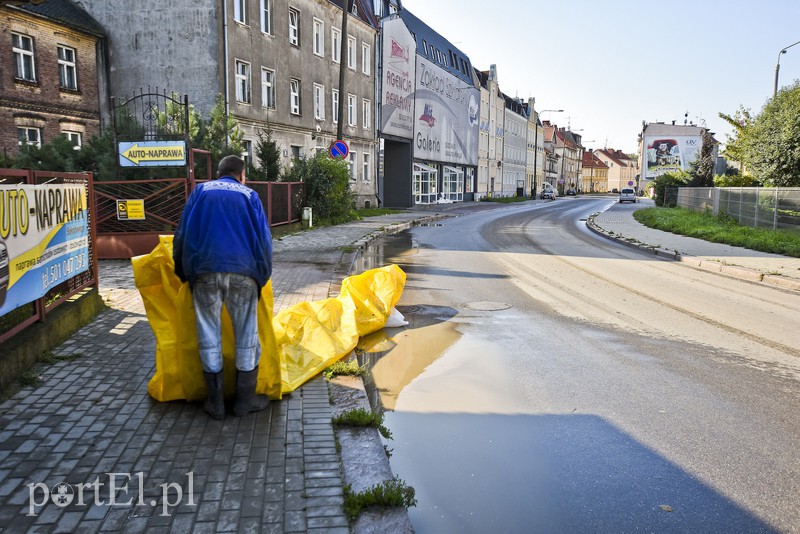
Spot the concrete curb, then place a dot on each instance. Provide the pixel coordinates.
(363, 457)
(735, 271)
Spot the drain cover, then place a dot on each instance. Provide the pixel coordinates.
(486, 305)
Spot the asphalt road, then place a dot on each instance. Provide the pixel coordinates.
(552, 380)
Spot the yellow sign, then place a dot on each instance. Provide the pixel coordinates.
(153, 153)
(130, 210)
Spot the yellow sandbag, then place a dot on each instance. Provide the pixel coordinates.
(297, 344)
(312, 336)
(168, 304)
(373, 294)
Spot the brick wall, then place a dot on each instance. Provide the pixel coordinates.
(43, 103)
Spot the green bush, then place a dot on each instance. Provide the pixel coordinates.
(664, 183)
(327, 185)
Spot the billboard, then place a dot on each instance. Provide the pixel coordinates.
(446, 111)
(669, 153)
(44, 239)
(397, 100)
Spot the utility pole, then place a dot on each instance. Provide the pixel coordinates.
(346, 8)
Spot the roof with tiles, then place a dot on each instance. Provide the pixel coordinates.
(590, 161)
(65, 12)
(363, 9)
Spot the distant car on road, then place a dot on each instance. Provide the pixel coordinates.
(549, 194)
(627, 195)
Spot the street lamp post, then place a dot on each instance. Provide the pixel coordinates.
(778, 66)
(536, 146)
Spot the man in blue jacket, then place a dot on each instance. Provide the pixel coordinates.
(223, 248)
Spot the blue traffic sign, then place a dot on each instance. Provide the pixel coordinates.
(339, 149)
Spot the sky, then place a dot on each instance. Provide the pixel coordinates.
(611, 65)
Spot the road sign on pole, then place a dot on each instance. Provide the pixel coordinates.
(339, 149)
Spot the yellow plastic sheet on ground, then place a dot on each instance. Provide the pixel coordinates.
(296, 344)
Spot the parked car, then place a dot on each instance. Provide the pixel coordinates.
(4, 271)
(549, 194)
(627, 195)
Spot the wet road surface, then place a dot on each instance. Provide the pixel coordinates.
(551, 380)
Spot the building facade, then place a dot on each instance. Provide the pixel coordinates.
(622, 170)
(515, 149)
(274, 65)
(594, 174)
(444, 146)
(54, 81)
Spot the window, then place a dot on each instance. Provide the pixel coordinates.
(351, 163)
(319, 37)
(240, 11)
(247, 153)
(366, 58)
(366, 114)
(351, 52)
(336, 45)
(67, 77)
(24, 64)
(366, 169)
(319, 101)
(294, 26)
(294, 96)
(74, 137)
(242, 82)
(267, 88)
(351, 110)
(266, 16)
(335, 105)
(29, 136)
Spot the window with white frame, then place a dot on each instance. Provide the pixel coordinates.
(266, 16)
(351, 162)
(336, 45)
(453, 183)
(351, 52)
(351, 110)
(294, 26)
(319, 101)
(319, 37)
(366, 170)
(240, 11)
(267, 88)
(294, 96)
(242, 82)
(29, 136)
(366, 114)
(67, 75)
(366, 58)
(24, 61)
(335, 105)
(74, 138)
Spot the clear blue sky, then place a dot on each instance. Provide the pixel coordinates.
(610, 65)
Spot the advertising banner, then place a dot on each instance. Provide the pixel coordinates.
(44, 239)
(670, 153)
(447, 116)
(397, 100)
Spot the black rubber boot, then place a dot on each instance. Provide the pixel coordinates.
(215, 403)
(246, 399)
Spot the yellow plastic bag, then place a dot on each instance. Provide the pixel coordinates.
(170, 312)
(296, 344)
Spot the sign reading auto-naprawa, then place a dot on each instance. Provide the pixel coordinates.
(45, 230)
(152, 154)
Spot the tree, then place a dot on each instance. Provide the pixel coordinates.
(734, 147)
(772, 143)
(269, 156)
(222, 137)
(702, 169)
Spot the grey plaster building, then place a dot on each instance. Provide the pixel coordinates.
(275, 64)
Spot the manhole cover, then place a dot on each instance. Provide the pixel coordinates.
(486, 305)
